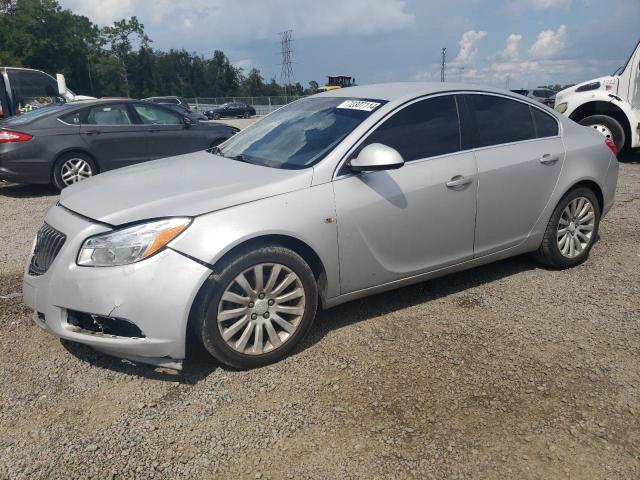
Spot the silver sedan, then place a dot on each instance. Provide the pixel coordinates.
(331, 198)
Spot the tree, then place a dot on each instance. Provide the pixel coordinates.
(119, 38)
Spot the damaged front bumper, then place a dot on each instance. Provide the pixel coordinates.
(154, 295)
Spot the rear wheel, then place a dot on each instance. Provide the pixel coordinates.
(571, 231)
(72, 168)
(245, 115)
(216, 116)
(261, 305)
(609, 127)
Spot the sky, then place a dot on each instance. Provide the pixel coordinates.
(514, 43)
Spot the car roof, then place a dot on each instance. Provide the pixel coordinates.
(407, 90)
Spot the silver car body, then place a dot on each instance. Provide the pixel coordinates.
(368, 232)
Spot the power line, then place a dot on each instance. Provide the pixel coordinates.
(286, 73)
(444, 63)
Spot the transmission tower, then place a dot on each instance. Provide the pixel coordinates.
(286, 73)
(444, 63)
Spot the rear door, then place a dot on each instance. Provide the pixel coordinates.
(112, 136)
(167, 134)
(520, 155)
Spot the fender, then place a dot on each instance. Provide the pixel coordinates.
(576, 100)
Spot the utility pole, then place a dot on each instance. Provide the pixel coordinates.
(286, 73)
(460, 72)
(444, 63)
(508, 82)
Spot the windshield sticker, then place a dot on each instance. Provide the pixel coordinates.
(359, 105)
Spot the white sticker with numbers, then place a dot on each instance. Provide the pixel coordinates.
(359, 105)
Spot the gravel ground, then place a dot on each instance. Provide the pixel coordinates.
(504, 371)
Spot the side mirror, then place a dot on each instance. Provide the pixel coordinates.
(376, 157)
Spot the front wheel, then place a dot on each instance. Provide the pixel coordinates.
(245, 115)
(571, 231)
(262, 303)
(609, 127)
(216, 116)
(72, 168)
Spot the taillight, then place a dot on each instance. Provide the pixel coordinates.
(7, 136)
(611, 144)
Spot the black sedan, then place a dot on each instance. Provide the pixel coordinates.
(65, 143)
(234, 109)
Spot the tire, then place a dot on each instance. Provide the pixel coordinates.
(550, 253)
(216, 116)
(245, 115)
(63, 169)
(242, 319)
(608, 127)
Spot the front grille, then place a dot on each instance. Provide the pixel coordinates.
(49, 241)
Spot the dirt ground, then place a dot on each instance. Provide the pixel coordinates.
(505, 371)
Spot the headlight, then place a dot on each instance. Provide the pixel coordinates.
(131, 244)
(588, 86)
(561, 107)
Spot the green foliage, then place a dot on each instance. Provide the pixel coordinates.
(117, 60)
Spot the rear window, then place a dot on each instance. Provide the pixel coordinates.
(35, 114)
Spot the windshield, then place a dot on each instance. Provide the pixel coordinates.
(34, 114)
(299, 134)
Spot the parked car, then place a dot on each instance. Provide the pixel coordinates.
(170, 99)
(65, 143)
(195, 116)
(543, 95)
(331, 198)
(234, 109)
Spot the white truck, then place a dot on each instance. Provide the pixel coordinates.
(609, 104)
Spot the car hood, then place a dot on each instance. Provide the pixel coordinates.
(186, 185)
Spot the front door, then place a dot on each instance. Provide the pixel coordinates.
(166, 131)
(112, 137)
(400, 223)
(519, 162)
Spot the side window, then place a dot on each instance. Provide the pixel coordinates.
(150, 114)
(72, 118)
(500, 120)
(546, 125)
(31, 89)
(113, 114)
(424, 129)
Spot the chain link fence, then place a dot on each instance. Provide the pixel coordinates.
(262, 105)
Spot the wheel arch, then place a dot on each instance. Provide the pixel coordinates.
(74, 150)
(593, 186)
(600, 107)
(298, 246)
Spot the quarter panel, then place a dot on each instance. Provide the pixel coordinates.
(307, 215)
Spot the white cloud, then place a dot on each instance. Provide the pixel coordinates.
(258, 19)
(244, 63)
(468, 48)
(511, 50)
(549, 43)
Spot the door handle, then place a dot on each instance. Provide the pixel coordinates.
(91, 132)
(549, 159)
(459, 181)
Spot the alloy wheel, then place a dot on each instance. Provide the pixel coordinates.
(75, 170)
(575, 227)
(261, 308)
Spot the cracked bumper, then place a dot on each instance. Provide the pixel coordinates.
(155, 294)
